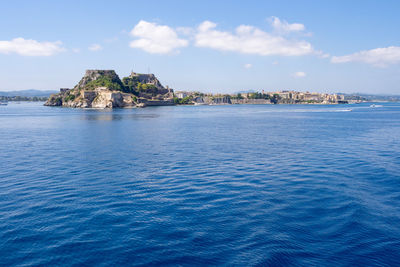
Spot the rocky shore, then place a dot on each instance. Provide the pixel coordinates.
(104, 89)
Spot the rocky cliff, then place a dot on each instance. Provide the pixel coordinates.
(104, 89)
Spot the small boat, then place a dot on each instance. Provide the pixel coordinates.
(375, 106)
(2, 103)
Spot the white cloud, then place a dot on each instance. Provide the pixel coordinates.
(299, 74)
(76, 50)
(380, 57)
(95, 47)
(249, 40)
(28, 47)
(284, 26)
(156, 39)
(247, 66)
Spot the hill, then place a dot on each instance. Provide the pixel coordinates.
(104, 89)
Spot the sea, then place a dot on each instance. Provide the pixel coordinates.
(233, 185)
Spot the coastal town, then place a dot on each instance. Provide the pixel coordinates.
(279, 97)
(104, 89)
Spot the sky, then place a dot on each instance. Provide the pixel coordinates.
(209, 46)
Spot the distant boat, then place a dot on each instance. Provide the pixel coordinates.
(375, 106)
(2, 103)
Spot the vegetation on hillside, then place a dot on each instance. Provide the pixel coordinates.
(182, 101)
(130, 84)
(133, 86)
(69, 97)
(105, 81)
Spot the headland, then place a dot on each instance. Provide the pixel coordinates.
(104, 89)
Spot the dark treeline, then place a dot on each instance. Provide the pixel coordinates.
(22, 98)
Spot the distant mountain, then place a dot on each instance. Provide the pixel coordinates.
(28, 93)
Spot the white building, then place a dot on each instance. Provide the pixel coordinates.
(181, 94)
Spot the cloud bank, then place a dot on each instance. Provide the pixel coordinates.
(156, 39)
(245, 39)
(29, 47)
(249, 40)
(379, 57)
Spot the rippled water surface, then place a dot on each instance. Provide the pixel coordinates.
(273, 185)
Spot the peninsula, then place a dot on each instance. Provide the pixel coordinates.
(104, 89)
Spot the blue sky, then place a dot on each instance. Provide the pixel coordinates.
(211, 46)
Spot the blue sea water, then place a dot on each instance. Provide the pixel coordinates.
(237, 185)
